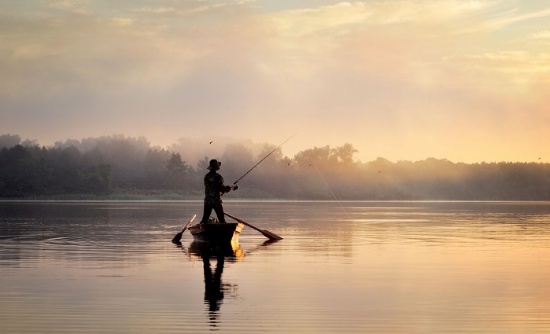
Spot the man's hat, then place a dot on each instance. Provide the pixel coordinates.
(214, 164)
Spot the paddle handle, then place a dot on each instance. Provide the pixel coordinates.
(270, 235)
(242, 221)
(188, 223)
(177, 237)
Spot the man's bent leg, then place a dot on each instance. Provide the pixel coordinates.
(206, 213)
(219, 212)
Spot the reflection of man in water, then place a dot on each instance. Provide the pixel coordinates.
(213, 293)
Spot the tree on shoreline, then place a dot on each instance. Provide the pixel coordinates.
(107, 165)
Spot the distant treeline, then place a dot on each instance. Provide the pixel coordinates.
(109, 165)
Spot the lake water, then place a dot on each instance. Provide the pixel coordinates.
(342, 267)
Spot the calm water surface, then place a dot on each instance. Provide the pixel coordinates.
(347, 267)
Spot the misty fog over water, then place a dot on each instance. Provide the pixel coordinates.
(119, 167)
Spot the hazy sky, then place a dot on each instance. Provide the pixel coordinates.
(405, 80)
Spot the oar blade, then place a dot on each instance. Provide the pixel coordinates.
(177, 237)
(270, 235)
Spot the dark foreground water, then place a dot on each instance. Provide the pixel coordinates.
(348, 267)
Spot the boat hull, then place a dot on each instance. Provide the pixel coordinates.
(217, 232)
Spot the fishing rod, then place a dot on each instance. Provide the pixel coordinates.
(276, 148)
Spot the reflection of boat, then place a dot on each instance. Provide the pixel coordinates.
(217, 232)
(231, 250)
(215, 291)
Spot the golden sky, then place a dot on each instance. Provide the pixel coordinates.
(464, 80)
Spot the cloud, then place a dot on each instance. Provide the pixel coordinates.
(73, 6)
(514, 71)
(544, 34)
(420, 72)
(515, 17)
(155, 10)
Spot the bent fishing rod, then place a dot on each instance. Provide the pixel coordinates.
(276, 148)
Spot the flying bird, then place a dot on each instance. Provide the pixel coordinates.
(211, 142)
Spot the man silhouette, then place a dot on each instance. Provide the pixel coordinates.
(213, 191)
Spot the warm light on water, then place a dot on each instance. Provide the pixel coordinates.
(349, 267)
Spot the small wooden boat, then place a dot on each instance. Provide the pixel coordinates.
(215, 232)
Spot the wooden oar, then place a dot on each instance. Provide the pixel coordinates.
(178, 236)
(270, 235)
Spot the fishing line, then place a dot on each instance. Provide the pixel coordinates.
(330, 190)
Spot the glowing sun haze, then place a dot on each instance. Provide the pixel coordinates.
(406, 80)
